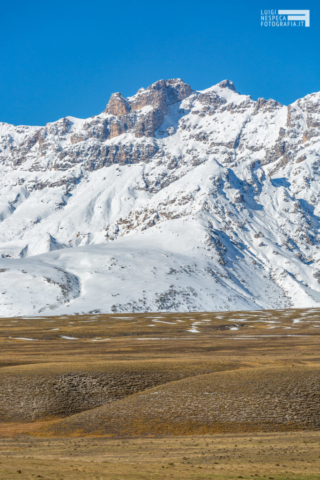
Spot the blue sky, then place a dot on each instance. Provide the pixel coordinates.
(66, 57)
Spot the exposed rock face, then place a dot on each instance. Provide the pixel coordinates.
(243, 174)
(117, 105)
(227, 84)
(159, 96)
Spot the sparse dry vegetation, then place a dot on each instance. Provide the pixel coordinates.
(163, 395)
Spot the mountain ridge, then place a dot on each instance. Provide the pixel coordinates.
(214, 194)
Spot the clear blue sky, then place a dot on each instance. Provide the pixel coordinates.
(66, 57)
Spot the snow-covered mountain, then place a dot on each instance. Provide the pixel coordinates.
(172, 199)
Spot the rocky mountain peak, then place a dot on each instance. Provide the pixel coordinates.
(117, 105)
(160, 94)
(227, 84)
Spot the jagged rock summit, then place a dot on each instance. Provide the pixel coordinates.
(160, 94)
(153, 103)
(170, 200)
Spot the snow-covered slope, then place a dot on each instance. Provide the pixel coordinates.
(172, 199)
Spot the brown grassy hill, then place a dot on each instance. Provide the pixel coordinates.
(45, 391)
(56, 367)
(262, 399)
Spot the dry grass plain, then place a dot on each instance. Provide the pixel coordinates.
(207, 395)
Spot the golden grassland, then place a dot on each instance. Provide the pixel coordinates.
(195, 395)
(277, 456)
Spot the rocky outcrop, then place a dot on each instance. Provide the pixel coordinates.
(117, 105)
(227, 84)
(159, 96)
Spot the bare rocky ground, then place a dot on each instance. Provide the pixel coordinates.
(209, 395)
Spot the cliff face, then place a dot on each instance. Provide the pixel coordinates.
(191, 200)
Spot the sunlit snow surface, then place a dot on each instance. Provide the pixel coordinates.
(235, 226)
